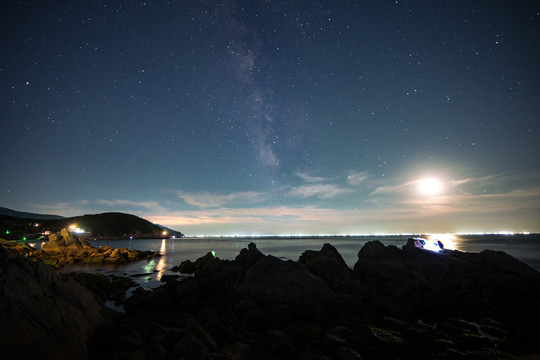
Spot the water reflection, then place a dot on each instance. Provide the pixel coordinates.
(36, 245)
(163, 247)
(150, 266)
(160, 268)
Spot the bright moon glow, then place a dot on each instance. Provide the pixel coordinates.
(430, 186)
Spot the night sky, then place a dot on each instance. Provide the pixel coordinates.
(275, 117)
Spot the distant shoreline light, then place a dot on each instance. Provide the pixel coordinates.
(295, 235)
(496, 233)
(354, 235)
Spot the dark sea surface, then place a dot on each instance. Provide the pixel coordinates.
(525, 247)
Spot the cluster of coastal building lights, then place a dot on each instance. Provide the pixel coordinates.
(75, 229)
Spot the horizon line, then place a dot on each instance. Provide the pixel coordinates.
(509, 233)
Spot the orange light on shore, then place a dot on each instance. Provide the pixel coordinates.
(75, 229)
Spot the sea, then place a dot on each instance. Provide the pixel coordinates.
(149, 273)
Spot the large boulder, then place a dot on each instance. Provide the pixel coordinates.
(272, 281)
(430, 284)
(265, 279)
(189, 267)
(65, 242)
(249, 256)
(43, 315)
(66, 248)
(327, 264)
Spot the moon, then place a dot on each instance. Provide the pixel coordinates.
(430, 186)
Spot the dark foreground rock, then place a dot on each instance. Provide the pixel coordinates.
(43, 315)
(428, 284)
(106, 288)
(395, 304)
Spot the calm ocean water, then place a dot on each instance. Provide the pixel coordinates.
(525, 247)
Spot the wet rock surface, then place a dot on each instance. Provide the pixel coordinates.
(395, 304)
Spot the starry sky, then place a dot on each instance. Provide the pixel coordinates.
(275, 117)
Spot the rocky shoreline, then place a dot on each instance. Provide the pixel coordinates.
(394, 304)
(65, 248)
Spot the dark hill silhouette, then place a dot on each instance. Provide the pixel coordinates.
(105, 225)
(27, 215)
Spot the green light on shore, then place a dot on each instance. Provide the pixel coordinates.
(213, 253)
(7, 232)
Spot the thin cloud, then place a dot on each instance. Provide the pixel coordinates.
(130, 204)
(210, 200)
(467, 184)
(454, 212)
(310, 179)
(323, 191)
(396, 188)
(456, 183)
(254, 216)
(61, 209)
(466, 198)
(511, 201)
(85, 206)
(357, 178)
